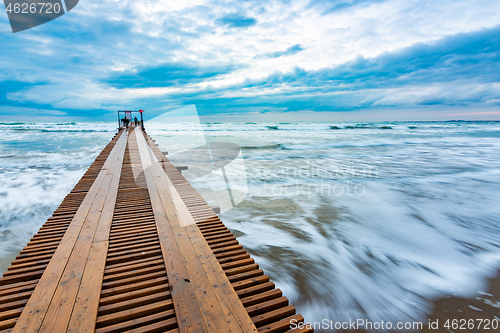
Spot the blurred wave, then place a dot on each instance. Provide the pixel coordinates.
(39, 164)
(351, 220)
(365, 221)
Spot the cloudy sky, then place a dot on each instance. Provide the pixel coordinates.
(384, 60)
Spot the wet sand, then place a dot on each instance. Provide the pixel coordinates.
(485, 305)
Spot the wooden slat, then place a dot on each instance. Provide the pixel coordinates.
(188, 312)
(275, 315)
(195, 246)
(74, 244)
(134, 294)
(84, 314)
(132, 283)
(137, 323)
(282, 325)
(233, 264)
(134, 248)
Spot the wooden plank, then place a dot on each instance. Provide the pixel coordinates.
(138, 312)
(210, 223)
(187, 311)
(132, 287)
(132, 303)
(135, 272)
(262, 297)
(275, 315)
(122, 327)
(246, 275)
(200, 261)
(282, 325)
(213, 312)
(225, 293)
(81, 295)
(255, 290)
(136, 279)
(10, 314)
(15, 297)
(117, 268)
(224, 290)
(126, 258)
(17, 287)
(267, 306)
(79, 231)
(212, 283)
(134, 294)
(159, 327)
(4, 325)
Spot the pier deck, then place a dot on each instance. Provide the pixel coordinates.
(134, 248)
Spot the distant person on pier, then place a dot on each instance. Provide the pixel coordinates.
(136, 121)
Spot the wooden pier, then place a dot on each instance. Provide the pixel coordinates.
(134, 248)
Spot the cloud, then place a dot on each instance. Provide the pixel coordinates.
(329, 6)
(167, 75)
(13, 111)
(290, 51)
(474, 55)
(246, 56)
(8, 86)
(235, 20)
(455, 70)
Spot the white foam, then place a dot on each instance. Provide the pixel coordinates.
(39, 165)
(427, 224)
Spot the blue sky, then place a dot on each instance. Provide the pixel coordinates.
(242, 60)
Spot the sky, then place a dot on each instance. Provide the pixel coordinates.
(337, 60)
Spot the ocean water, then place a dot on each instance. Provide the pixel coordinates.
(350, 220)
(39, 164)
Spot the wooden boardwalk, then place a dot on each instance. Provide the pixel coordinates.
(134, 248)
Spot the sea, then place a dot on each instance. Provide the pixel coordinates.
(350, 220)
